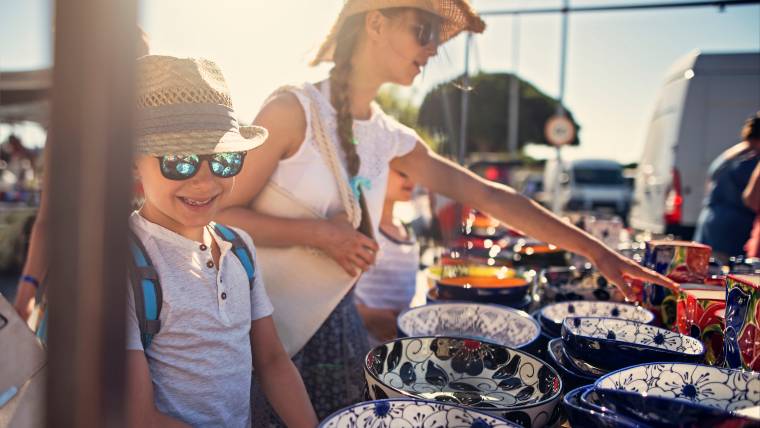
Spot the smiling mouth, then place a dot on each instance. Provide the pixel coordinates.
(197, 203)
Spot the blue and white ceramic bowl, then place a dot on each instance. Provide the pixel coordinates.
(410, 413)
(612, 343)
(502, 381)
(571, 378)
(552, 316)
(660, 411)
(734, 392)
(581, 415)
(490, 323)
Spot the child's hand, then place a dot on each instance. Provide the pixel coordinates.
(347, 246)
(618, 270)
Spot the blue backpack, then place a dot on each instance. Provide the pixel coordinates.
(146, 285)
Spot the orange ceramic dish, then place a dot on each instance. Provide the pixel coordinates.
(480, 289)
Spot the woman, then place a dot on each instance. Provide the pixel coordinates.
(725, 222)
(373, 42)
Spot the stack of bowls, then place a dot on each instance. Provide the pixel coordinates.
(667, 395)
(492, 378)
(480, 284)
(568, 283)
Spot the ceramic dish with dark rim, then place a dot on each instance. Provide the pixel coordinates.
(733, 392)
(483, 289)
(664, 412)
(582, 416)
(553, 315)
(490, 323)
(411, 413)
(571, 379)
(612, 343)
(502, 381)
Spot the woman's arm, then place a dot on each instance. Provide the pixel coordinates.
(504, 203)
(278, 377)
(284, 118)
(141, 410)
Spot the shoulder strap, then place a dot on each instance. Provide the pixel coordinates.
(146, 288)
(240, 249)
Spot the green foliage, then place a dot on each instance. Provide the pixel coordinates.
(488, 112)
(407, 113)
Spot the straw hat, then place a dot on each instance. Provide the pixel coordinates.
(457, 16)
(184, 106)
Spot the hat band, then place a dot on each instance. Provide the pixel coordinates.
(178, 118)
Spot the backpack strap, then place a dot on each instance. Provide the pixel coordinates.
(146, 288)
(240, 249)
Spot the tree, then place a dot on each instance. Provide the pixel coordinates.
(488, 111)
(407, 113)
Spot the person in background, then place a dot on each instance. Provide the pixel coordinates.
(388, 286)
(725, 222)
(751, 197)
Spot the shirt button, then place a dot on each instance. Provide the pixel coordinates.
(210, 264)
(224, 296)
(203, 247)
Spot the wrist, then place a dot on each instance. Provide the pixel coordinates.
(594, 250)
(318, 232)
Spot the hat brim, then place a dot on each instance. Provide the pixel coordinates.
(240, 139)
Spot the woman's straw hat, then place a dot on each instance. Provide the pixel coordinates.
(184, 106)
(457, 16)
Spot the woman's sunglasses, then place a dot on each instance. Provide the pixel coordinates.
(427, 33)
(184, 166)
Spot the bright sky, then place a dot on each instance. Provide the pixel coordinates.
(615, 64)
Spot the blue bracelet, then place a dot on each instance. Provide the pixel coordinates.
(32, 280)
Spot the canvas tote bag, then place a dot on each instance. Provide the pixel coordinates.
(303, 283)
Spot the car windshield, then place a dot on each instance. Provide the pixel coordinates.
(598, 176)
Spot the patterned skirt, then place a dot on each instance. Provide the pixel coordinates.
(331, 365)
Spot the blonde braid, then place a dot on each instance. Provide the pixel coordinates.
(340, 91)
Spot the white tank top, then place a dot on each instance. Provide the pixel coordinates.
(305, 174)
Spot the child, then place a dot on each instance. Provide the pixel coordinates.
(388, 287)
(215, 324)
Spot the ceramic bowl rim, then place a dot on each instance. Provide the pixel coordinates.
(595, 410)
(553, 397)
(323, 422)
(517, 312)
(627, 343)
(541, 311)
(526, 301)
(697, 404)
(563, 367)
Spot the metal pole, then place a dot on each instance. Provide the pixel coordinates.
(465, 102)
(90, 146)
(720, 4)
(514, 91)
(556, 203)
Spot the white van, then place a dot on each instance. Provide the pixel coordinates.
(699, 113)
(587, 185)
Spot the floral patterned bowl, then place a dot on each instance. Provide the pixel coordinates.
(571, 378)
(660, 411)
(733, 392)
(491, 323)
(502, 381)
(552, 316)
(612, 343)
(410, 413)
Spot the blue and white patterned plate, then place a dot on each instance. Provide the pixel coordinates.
(612, 343)
(502, 381)
(410, 413)
(490, 323)
(552, 316)
(732, 391)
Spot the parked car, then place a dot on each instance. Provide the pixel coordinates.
(699, 112)
(586, 185)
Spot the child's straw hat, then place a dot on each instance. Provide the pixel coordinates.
(184, 106)
(456, 15)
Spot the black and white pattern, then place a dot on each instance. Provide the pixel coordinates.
(497, 324)
(409, 413)
(724, 389)
(503, 381)
(557, 312)
(633, 333)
